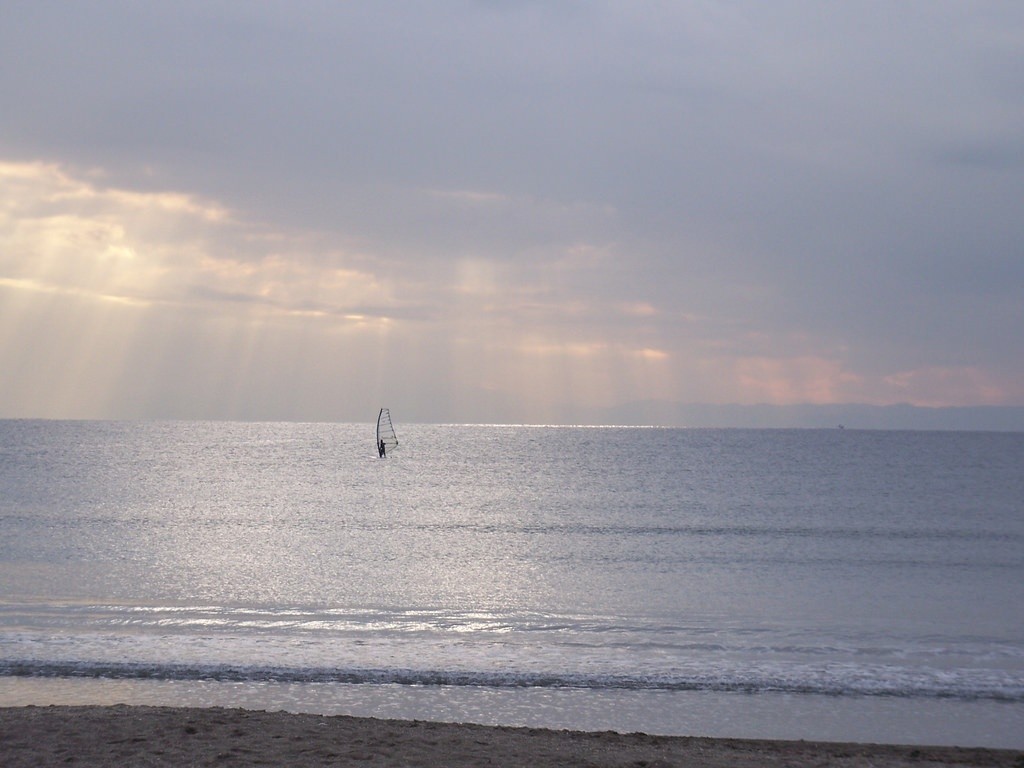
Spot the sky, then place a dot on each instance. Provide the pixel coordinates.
(507, 211)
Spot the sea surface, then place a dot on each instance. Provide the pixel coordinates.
(808, 584)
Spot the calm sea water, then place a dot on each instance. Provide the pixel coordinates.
(819, 584)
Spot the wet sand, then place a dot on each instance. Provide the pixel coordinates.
(156, 736)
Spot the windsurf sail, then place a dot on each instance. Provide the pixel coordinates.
(385, 433)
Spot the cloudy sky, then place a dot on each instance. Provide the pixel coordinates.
(482, 211)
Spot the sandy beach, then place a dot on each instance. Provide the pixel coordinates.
(153, 736)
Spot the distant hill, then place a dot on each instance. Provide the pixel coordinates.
(852, 416)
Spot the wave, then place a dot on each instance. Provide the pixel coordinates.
(995, 688)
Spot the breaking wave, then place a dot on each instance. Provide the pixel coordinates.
(994, 687)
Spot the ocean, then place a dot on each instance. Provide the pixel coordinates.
(840, 585)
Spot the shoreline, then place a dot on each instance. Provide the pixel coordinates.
(123, 734)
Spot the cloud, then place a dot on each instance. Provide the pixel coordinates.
(681, 201)
(932, 387)
(142, 284)
(68, 235)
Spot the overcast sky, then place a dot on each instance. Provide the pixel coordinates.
(482, 211)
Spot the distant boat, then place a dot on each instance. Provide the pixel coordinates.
(387, 440)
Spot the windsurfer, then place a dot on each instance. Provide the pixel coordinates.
(380, 449)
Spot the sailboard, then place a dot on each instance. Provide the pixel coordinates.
(387, 440)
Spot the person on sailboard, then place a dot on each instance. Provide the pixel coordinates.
(380, 449)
